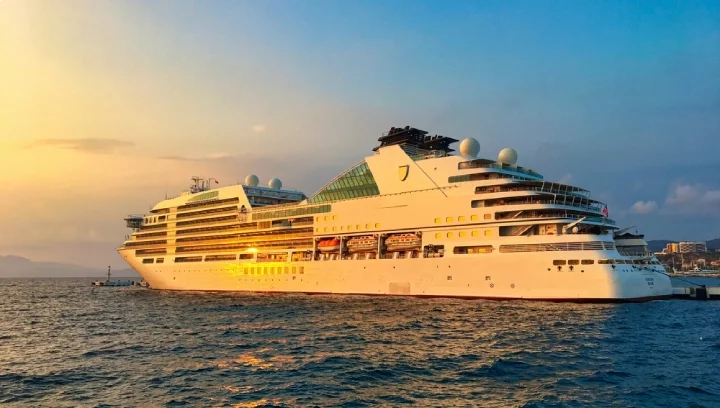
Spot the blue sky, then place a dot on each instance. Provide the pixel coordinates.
(619, 97)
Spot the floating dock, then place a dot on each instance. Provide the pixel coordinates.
(698, 293)
(109, 282)
(121, 283)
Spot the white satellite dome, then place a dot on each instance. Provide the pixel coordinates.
(252, 180)
(275, 183)
(508, 155)
(469, 147)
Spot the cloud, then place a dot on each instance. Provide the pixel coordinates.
(644, 207)
(207, 157)
(259, 128)
(92, 145)
(693, 200)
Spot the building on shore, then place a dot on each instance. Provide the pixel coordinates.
(685, 247)
(692, 247)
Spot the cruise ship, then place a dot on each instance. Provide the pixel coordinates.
(411, 219)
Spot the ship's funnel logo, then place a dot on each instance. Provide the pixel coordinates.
(403, 172)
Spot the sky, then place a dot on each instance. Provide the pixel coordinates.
(107, 105)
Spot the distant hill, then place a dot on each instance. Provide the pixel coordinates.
(660, 244)
(714, 243)
(18, 267)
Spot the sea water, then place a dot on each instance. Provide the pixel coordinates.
(66, 343)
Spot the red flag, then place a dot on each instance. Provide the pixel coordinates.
(605, 212)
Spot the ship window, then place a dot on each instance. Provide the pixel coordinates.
(462, 234)
(473, 218)
(438, 235)
(294, 270)
(342, 228)
(333, 228)
(334, 217)
(488, 233)
(477, 249)
(160, 260)
(377, 225)
(325, 229)
(461, 218)
(476, 233)
(358, 227)
(326, 218)
(606, 262)
(302, 270)
(487, 216)
(588, 261)
(448, 219)
(559, 262)
(354, 183)
(148, 260)
(438, 220)
(367, 226)
(317, 229)
(317, 219)
(449, 234)
(574, 262)
(246, 256)
(349, 227)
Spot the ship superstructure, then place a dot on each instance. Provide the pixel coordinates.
(636, 250)
(411, 219)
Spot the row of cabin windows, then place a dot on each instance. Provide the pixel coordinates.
(273, 270)
(463, 234)
(150, 220)
(294, 212)
(485, 176)
(558, 262)
(207, 203)
(462, 218)
(575, 262)
(358, 227)
(476, 249)
(327, 218)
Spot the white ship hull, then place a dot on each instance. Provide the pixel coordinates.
(492, 276)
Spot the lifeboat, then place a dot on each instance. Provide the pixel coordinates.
(403, 241)
(359, 244)
(329, 245)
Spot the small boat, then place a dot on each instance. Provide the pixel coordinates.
(329, 245)
(403, 241)
(365, 243)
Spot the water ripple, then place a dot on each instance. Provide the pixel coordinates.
(64, 343)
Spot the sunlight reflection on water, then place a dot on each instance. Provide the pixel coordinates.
(139, 347)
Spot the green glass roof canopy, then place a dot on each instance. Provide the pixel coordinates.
(356, 182)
